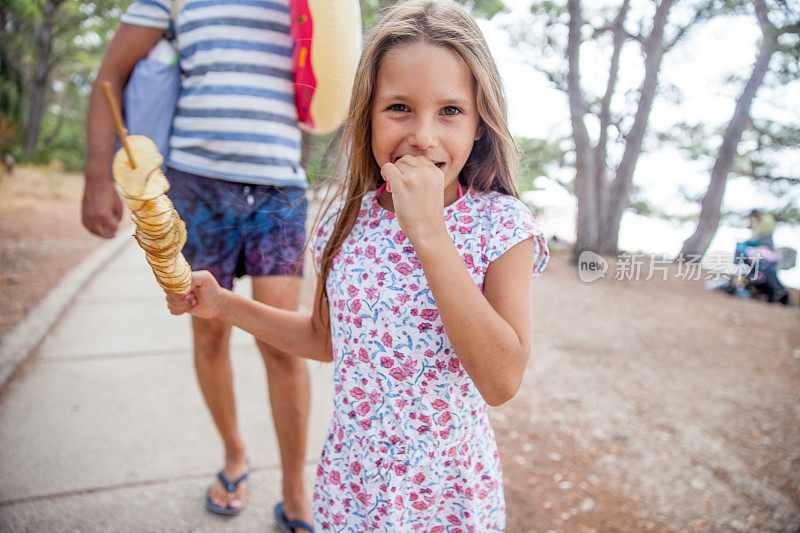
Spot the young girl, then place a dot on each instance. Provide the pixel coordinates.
(423, 297)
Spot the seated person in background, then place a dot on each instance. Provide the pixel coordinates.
(762, 225)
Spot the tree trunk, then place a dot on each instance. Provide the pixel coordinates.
(585, 190)
(619, 191)
(697, 244)
(601, 149)
(40, 80)
(62, 113)
(11, 69)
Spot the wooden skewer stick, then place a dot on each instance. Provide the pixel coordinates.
(121, 131)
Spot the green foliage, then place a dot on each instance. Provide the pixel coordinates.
(771, 135)
(80, 31)
(17, 20)
(758, 151)
(320, 153)
(697, 141)
(787, 67)
(66, 144)
(485, 9)
(316, 168)
(641, 206)
(555, 12)
(371, 9)
(539, 157)
(789, 214)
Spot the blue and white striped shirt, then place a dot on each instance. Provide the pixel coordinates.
(236, 118)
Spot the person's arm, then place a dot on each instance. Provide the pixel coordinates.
(490, 332)
(301, 334)
(101, 208)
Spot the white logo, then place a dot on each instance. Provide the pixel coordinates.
(591, 266)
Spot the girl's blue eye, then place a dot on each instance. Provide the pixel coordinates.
(398, 107)
(451, 111)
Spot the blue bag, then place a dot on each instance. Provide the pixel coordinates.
(151, 95)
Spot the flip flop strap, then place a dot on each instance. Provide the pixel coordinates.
(294, 524)
(231, 487)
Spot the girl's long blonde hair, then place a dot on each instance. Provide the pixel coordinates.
(493, 160)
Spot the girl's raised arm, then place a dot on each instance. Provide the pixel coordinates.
(301, 334)
(489, 331)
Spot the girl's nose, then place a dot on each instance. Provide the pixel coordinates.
(423, 135)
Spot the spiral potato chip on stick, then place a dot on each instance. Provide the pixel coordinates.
(160, 232)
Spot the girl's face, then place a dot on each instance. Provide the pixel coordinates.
(424, 105)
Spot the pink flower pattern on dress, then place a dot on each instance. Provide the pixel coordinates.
(410, 447)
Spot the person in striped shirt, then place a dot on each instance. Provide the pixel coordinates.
(236, 180)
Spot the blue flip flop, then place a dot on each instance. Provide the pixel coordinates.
(289, 526)
(231, 488)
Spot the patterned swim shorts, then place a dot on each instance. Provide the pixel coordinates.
(237, 229)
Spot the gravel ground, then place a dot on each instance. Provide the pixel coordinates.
(654, 405)
(41, 237)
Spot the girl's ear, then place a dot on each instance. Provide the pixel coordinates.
(479, 131)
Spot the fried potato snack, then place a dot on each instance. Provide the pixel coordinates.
(159, 230)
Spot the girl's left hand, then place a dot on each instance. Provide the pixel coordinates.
(417, 188)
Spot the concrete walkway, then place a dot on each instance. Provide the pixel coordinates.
(104, 428)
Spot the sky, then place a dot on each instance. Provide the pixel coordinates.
(699, 66)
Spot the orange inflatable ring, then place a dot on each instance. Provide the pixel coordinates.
(327, 42)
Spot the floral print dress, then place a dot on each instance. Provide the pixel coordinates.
(410, 447)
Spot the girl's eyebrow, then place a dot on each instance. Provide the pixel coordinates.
(391, 98)
(456, 102)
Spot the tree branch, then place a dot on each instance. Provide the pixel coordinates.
(558, 82)
(762, 12)
(767, 177)
(600, 30)
(604, 115)
(638, 37)
(576, 98)
(790, 28)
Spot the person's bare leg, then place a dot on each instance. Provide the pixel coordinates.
(212, 363)
(289, 397)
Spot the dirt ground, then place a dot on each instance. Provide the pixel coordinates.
(647, 405)
(654, 405)
(41, 237)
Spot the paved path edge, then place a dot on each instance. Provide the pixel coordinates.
(19, 343)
